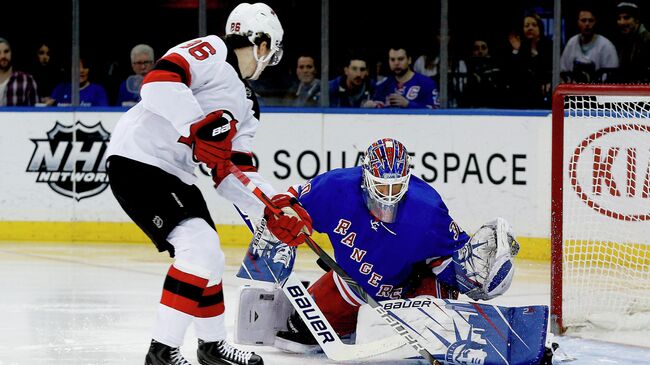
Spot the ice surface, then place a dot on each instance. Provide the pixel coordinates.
(74, 304)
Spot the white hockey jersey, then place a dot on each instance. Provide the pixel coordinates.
(191, 80)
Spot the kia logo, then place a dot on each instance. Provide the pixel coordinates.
(610, 172)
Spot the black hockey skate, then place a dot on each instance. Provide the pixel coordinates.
(222, 353)
(297, 338)
(547, 358)
(161, 354)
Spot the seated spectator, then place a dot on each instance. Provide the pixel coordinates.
(380, 71)
(588, 56)
(90, 94)
(305, 92)
(354, 87)
(633, 45)
(485, 86)
(142, 60)
(16, 88)
(428, 64)
(403, 88)
(529, 66)
(46, 71)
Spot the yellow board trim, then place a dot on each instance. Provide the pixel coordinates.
(124, 232)
(231, 235)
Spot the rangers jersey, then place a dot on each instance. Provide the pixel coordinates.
(420, 91)
(377, 255)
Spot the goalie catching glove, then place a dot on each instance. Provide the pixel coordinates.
(293, 225)
(484, 267)
(211, 142)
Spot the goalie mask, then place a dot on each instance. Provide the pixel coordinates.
(386, 175)
(254, 21)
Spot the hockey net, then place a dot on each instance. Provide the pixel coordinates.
(600, 218)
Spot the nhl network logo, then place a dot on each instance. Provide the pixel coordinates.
(71, 160)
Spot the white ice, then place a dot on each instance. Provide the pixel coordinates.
(86, 304)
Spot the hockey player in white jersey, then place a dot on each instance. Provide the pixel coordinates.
(197, 108)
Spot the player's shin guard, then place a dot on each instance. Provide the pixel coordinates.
(182, 292)
(210, 322)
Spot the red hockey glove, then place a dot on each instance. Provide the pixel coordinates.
(293, 225)
(211, 140)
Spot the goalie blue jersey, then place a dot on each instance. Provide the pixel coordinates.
(377, 255)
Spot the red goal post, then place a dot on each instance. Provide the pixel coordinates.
(600, 205)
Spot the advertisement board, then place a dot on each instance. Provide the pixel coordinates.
(484, 166)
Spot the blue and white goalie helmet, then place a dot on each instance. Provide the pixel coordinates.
(253, 21)
(386, 175)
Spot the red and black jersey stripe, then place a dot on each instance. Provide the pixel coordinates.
(171, 68)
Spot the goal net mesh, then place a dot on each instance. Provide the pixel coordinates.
(606, 212)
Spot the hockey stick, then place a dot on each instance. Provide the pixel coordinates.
(395, 322)
(320, 328)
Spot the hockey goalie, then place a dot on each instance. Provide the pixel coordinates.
(393, 235)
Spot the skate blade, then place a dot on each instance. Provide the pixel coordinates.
(296, 347)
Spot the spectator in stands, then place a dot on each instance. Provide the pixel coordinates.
(16, 88)
(529, 65)
(142, 60)
(403, 88)
(428, 64)
(485, 86)
(380, 70)
(46, 71)
(306, 91)
(90, 94)
(354, 87)
(633, 45)
(588, 56)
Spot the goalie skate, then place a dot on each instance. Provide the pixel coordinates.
(297, 338)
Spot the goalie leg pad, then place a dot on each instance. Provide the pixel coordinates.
(260, 315)
(464, 333)
(267, 259)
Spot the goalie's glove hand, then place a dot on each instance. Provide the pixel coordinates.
(487, 261)
(211, 142)
(293, 225)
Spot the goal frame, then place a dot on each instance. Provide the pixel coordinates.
(557, 179)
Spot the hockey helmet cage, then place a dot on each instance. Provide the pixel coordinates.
(386, 176)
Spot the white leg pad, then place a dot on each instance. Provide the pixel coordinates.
(260, 315)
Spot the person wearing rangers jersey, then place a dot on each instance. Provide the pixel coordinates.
(393, 234)
(404, 88)
(196, 107)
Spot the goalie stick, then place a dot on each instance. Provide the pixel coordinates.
(400, 327)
